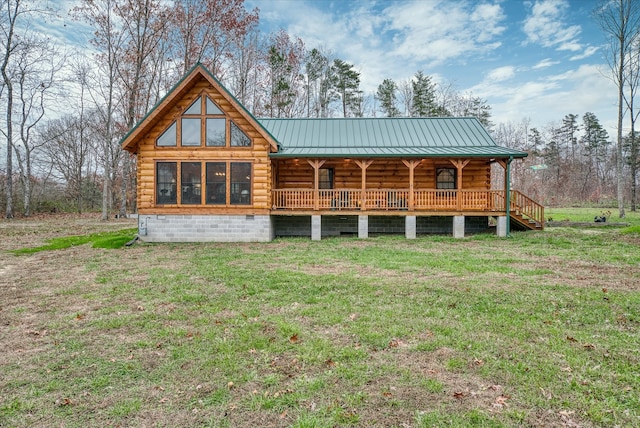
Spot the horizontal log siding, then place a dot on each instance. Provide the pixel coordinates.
(148, 154)
(381, 174)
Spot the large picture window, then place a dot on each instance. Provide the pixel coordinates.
(240, 183)
(166, 179)
(225, 183)
(445, 178)
(190, 183)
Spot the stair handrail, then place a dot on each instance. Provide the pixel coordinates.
(527, 207)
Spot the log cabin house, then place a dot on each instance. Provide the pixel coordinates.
(207, 170)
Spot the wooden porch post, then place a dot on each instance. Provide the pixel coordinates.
(363, 164)
(459, 164)
(316, 164)
(411, 164)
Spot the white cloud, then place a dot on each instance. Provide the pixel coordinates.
(589, 51)
(501, 74)
(548, 100)
(547, 62)
(437, 32)
(546, 26)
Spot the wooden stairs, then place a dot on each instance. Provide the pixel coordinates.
(525, 213)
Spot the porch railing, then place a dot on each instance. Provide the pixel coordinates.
(389, 199)
(402, 200)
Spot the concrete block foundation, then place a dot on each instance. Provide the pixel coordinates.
(205, 228)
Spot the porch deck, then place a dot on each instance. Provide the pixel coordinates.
(417, 202)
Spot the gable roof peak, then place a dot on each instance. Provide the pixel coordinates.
(130, 141)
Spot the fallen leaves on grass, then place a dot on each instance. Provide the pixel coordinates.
(395, 343)
(64, 402)
(278, 393)
(501, 401)
(494, 387)
(478, 363)
(294, 339)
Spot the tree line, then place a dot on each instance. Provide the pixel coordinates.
(64, 112)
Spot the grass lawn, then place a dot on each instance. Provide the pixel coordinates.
(539, 329)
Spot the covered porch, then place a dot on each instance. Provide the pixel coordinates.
(402, 187)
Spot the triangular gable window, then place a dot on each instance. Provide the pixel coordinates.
(212, 108)
(238, 137)
(195, 108)
(168, 137)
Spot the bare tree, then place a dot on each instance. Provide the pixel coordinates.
(35, 71)
(285, 60)
(319, 74)
(11, 11)
(29, 65)
(246, 63)
(620, 20)
(144, 25)
(70, 149)
(405, 95)
(205, 31)
(633, 84)
(108, 39)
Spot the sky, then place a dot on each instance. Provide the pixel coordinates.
(533, 59)
(528, 59)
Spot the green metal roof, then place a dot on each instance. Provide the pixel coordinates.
(385, 137)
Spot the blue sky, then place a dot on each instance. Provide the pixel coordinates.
(538, 59)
